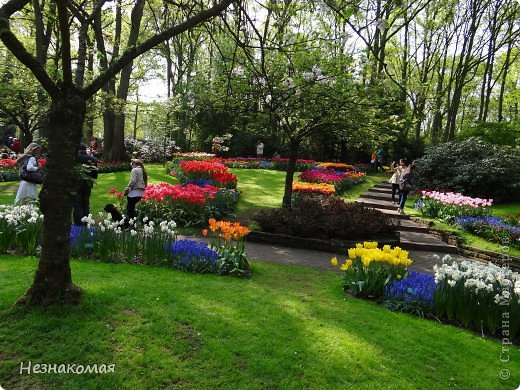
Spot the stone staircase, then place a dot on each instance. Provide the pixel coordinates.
(412, 235)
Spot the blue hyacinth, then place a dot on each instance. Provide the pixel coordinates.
(76, 232)
(497, 222)
(194, 256)
(198, 182)
(264, 164)
(415, 287)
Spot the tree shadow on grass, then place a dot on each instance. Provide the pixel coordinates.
(287, 327)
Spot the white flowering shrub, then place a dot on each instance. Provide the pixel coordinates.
(138, 242)
(20, 228)
(479, 295)
(150, 150)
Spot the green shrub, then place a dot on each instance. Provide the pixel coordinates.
(472, 167)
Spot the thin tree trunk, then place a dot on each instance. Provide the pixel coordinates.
(504, 78)
(289, 177)
(118, 147)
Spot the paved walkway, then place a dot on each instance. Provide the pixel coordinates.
(423, 261)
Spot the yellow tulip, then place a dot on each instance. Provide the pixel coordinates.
(334, 261)
(352, 253)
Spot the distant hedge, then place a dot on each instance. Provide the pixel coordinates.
(472, 167)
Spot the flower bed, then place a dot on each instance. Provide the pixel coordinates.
(335, 166)
(280, 164)
(340, 180)
(325, 218)
(187, 205)
(412, 294)
(229, 244)
(446, 206)
(303, 188)
(474, 295)
(192, 156)
(479, 296)
(216, 173)
(369, 270)
(494, 229)
(20, 228)
(8, 170)
(195, 257)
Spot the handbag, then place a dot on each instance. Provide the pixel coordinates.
(35, 177)
(405, 185)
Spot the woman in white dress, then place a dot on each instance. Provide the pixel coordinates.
(28, 191)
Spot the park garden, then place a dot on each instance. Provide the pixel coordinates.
(268, 130)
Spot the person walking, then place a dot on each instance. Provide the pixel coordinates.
(89, 173)
(380, 158)
(394, 180)
(134, 191)
(28, 191)
(259, 149)
(405, 183)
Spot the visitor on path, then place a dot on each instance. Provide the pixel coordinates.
(380, 158)
(16, 146)
(134, 191)
(28, 191)
(405, 183)
(377, 159)
(89, 173)
(394, 180)
(373, 161)
(259, 149)
(94, 146)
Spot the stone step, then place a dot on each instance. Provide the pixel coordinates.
(409, 226)
(389, 213)
(376, 204)
(383, 185)
(379, 196)
(424, 242)
(375, 190)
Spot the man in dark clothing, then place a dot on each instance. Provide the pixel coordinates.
(88, 174)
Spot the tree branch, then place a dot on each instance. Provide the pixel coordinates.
(18, 49)
(130, 54)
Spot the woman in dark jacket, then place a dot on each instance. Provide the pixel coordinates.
(405, 183)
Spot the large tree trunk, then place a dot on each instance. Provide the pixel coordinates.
(118, 146)
(53, 281)
(291, 167)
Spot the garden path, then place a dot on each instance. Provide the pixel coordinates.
(423, 261)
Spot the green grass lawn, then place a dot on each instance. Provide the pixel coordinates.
(259, 189)
(286, 328)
